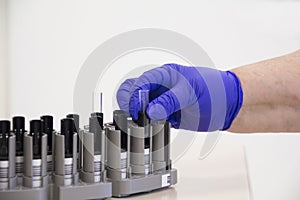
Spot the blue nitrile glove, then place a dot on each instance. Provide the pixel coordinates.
(191, 98)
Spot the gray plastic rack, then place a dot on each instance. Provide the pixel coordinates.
(99, 161)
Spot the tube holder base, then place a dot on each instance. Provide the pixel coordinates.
(134, 185)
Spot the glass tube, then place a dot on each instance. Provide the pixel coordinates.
(143, 100)
(97, 100)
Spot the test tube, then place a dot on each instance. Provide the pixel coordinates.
(140, 139)
(93, 166)
(117, 155)
(47, 128)
(36, 133)
(92, 151)
(66, 163)
(98, 101)
(143, 99)
(143, 119)
(67, 130)
(97, 115)
(4, 131)
(35, 156)
(76, 119)
(19, 131)
(7, 157)
(121, 123)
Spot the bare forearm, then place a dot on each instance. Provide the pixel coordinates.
(271, 96)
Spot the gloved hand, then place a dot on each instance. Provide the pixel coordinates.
(191, 98)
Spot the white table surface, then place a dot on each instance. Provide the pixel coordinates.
(222, 175)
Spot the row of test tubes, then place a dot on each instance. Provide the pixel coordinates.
(121, 150)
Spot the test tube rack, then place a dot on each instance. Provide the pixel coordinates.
(98, 161)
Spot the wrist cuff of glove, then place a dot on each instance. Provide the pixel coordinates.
(234, 97)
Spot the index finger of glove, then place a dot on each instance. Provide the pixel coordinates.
(150, 80)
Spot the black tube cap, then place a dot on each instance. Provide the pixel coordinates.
(35, 127)
(5, 127)
(47, 124)
(120, 120)
(67, 129)
(18, 124)
(97, 116)
(4, 134)
(95, 124)
(36, 133)
(76, 118)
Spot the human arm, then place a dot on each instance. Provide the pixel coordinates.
(265, 96)
(271, 96)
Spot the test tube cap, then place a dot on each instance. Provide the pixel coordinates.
(4, 126)
(18, 123)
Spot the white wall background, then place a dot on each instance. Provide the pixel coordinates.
(3, 61)
(49, 40)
